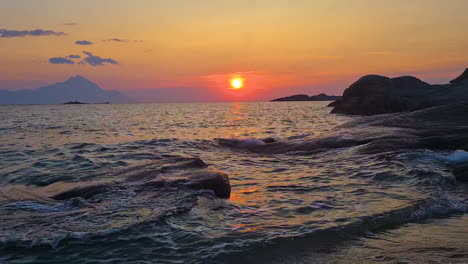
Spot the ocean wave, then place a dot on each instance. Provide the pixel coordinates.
(458, 156)
(131, 197)
(281, 245)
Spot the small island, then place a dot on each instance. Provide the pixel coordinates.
(74, 102)
(305, 97)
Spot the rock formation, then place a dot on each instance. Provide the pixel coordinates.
(305, 97)
(374, 94)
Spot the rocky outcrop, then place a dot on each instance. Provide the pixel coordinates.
(178, 172)
(305, 97)
(132, 198)
(374, 94)
(461, 78)
(437, 128)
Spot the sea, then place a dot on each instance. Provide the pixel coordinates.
(330, 206)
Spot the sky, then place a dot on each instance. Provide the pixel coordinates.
(277, 47)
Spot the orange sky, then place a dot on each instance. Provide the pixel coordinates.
(279, 47)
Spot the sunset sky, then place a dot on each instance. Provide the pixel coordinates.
(278, 47)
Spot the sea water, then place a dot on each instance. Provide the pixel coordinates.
(281, 207)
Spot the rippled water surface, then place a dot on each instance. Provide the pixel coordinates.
(276, 198)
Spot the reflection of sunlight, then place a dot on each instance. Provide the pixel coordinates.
(236, 107)
(236, 115)
(240, 196)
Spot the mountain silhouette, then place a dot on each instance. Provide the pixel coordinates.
(76, 88)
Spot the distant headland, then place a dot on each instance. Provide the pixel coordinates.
(74, 102)
(305, 97)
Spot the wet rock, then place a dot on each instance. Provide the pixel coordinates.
(374, 95)
(174, 172)
(216, 181)
(269, 140)
(85, 192)
(442, 127)
(460, 172)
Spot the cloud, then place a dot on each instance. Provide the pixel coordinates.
(74, 56)
(60, 60)
(116, 40)
(83, 42)
(96, 60)
(6, 33)
(71, 24)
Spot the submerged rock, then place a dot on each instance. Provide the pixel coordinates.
(213, 180)
(120, 201)
(174, 172)
(374, 94)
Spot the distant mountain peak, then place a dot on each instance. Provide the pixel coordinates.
(77, 78)
(76, 88)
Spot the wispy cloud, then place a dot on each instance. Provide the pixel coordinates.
(7, 33)
(116, 40)
(74, 56)
(70, 24)
(96, 60)
(60, 60)
(83, 42)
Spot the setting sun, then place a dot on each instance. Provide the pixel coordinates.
(237, 83)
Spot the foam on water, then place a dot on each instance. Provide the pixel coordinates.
(288, 193)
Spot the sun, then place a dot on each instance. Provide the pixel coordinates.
(237, 83)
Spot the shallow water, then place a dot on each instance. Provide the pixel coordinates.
(276, 198)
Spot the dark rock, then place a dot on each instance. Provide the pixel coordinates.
(442, 127)
(460, 172)
(461, 78)
(174, 172)
(269, 140)
(374, 94)
(74, 102)
(85, 192)
(211, 180)
(304, 97)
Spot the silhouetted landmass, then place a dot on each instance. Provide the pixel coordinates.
(75, 89)
(74, 102)
(461, 78)
(305, 97)
(374, 94)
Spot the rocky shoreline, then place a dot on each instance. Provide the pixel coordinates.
(374, 95)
